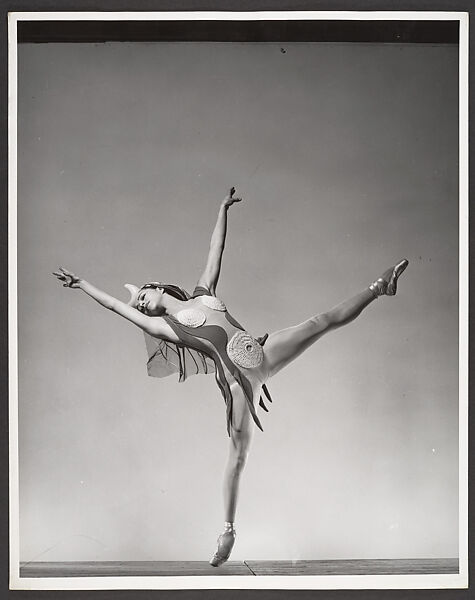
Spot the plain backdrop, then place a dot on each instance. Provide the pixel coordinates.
(346, 156)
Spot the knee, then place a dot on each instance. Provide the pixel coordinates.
(238, 459)
(241, 459)
(323, 322)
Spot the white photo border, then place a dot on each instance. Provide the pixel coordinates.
(313, 582)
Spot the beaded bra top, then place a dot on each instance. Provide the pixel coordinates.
(194, 317)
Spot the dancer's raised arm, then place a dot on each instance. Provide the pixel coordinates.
(210, 275)
(155, 326)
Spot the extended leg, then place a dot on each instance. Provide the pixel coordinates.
(284, 346)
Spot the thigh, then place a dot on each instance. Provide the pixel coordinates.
(283, 346)
(242, 423)
(241, 415)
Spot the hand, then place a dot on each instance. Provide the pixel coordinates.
(230, 199)
(70, 279)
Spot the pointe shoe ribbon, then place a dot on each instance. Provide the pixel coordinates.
(386, 285)
(225, 545)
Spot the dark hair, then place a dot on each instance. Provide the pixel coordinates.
(174, 290)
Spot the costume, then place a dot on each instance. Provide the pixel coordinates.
(211, 340)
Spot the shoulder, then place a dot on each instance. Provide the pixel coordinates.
(201, 290)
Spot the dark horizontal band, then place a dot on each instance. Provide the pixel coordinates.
(240, 31)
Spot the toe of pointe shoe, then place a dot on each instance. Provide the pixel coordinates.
(397, 270)
(216, 561)
(225, 546)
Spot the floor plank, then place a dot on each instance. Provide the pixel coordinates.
(354, 567)
(248, 567)
(130, 568)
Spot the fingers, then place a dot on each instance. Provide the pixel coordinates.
(60, 276)
(68, 278)
(232, 191)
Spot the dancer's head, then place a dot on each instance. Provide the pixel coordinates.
(149, 298)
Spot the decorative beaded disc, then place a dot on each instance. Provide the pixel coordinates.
(244, 350)
(191, 317)
(213, 302)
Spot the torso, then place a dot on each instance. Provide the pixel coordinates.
(212, 338)
(217, 322)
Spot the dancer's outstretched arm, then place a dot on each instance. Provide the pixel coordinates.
(210, 275)
(155, 326)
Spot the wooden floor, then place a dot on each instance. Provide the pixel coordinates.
(354, 567)
(415, 566)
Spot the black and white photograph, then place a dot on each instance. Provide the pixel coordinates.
(273, 210)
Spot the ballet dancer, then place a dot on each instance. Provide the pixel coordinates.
(191, 334)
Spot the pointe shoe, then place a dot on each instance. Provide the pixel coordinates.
(386, 285)
(225, 545)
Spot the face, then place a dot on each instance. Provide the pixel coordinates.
(149, 302)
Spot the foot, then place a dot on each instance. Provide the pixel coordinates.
(225, 546)
(386, 285)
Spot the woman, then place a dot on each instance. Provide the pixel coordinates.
(196, 334)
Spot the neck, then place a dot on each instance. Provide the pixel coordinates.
(171, 305)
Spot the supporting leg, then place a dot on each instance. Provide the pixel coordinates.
(239, 446)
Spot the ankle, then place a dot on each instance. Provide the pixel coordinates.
(229, 527)
(378, 287)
